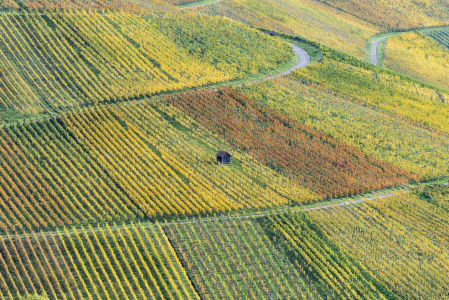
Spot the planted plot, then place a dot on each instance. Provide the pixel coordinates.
(406, 98)
(15, 94)
(93, 263)
(437, 194)
(178, 139)
(136, 6)
(375, 132)
(441, 35)
(397, 15)
(116, 164)
(182, 2)
(149, 179)
(48, 180)
(331, 270)
(59, 59)
(418, 56)
(313, 20)
(235, 260)
(402, 240)
(391, 248)
(322, 164)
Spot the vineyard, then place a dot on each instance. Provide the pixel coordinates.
(419, 57)
(308, 18)
(244, 262)
(135, 6)
(396, 15)
(441, 35)
(182, 2)
(437, 194)
(93, 263)
(405, 98)
(57, 60)
(389, 249)
(412, 262)
(48, 180)
(322, 164)
(112, 113)
(123, 164)
(377, 133)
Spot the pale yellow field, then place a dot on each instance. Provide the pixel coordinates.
(418, 56)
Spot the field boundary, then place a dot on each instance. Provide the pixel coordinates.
(250, 215)
(292, 64)
(198, 3)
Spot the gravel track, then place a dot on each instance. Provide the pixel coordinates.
(374, 46)
(303, 60)
(204, 4)
(224, 217)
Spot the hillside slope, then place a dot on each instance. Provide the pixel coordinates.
(133, 162)
(55, 60)
(307, 18)
(418, 56)
(244, 262)
(389, 249)
(396, 15)
(378, 133)
(136, 6)
(407, 98)
(94, 263)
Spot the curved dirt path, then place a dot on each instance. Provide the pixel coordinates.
(374, 46)
(303, 60)
(204, 4)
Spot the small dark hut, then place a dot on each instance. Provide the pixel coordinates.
(223, 158)
(271, 33)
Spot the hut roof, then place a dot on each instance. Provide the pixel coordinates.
(223, 154)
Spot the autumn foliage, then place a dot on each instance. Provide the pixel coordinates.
(59, 59)
(322, 164)
(374, 131)
(113, 262)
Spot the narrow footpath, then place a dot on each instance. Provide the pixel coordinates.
(204, 4)
(237, 216)
(303, 60)
(374, 47)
